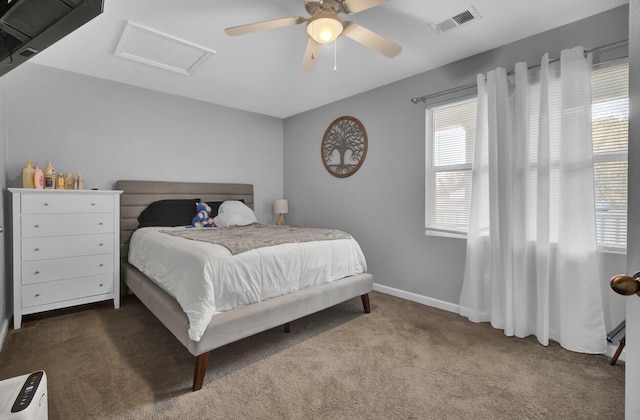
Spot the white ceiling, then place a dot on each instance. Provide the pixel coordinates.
(259, 72)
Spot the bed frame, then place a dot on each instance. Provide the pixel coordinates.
(235, 324)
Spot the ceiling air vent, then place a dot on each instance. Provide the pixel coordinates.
(460, 19)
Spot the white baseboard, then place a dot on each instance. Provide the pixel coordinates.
(414, 297)
(4, 330)
(450, 307)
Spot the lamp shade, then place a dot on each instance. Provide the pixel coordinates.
(324, 29)
(281, 206)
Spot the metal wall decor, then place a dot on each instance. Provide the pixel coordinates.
(344, 146)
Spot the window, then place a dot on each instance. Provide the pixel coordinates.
(451, 130)
(450, 133)
(610, 116)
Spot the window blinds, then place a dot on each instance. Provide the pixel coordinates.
(610, 116)
(452, 129)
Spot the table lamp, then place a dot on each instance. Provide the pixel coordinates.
(281, 207)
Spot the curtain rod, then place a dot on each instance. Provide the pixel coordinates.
(425, 98)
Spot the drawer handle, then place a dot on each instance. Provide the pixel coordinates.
(36, 250)
(100, 284)
(93, 204)
(101, 244)
(36, 226)
(37, 295)
(100, 223)
(46, 204)
(36, 272)
(101, 265)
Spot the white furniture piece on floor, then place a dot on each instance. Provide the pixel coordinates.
(24, 397)
(65, 249)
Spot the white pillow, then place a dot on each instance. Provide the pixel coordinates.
(234, 213)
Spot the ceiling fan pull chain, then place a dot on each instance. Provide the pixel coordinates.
(335, 55)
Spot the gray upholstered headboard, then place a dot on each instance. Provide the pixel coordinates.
(137, 195)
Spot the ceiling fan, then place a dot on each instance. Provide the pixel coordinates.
(324, 26)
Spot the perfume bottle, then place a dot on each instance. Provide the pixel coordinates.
(60, 181)
(79, 182)
(27, 176)
(69, 181)
(49, 176)
(38, 178)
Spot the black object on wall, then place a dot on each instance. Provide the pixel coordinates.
(29, 26)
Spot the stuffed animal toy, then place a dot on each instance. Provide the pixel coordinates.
(203, 216)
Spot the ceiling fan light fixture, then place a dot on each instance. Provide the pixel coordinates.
(324, 29)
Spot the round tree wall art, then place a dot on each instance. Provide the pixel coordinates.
(344, 146)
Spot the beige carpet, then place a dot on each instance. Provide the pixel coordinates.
(402, 361)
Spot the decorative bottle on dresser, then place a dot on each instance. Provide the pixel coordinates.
(49, 176)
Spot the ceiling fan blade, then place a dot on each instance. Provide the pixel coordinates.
(310, 56)
(260, 26)
(371, 39)
(355, 6)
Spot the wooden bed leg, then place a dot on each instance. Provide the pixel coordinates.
(365, 303)
(287, 328)
(614, 359)
(201, 368)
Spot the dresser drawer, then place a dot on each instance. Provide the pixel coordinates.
(84, 203)
(35, 225)
(65, 268)
(45, 203)
(60, 202)
(66, 246)
(58, 291)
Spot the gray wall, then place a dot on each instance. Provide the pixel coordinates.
(108, 131)
(382, 205)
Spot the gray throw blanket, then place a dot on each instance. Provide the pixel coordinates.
(245, 238)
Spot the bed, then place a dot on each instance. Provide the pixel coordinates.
(230, 325)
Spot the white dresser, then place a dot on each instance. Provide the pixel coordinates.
(65, 249)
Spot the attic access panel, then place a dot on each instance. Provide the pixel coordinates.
(160, 50)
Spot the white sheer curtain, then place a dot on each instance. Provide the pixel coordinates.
(531, 264)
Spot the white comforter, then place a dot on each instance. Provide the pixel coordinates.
(206, 279)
